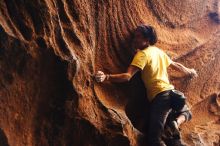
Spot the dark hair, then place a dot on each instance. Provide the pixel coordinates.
(149, 33)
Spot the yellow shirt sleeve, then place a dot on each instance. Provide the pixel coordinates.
(139, 60)
(167, 59)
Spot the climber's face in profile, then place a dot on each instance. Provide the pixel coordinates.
(139, 41)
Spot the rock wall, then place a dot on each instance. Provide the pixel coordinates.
(50, 50)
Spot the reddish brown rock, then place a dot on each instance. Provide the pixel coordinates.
(50, 50)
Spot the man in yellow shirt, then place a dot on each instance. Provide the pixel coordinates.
(153, 64)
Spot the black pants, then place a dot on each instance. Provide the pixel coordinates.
(160, 109)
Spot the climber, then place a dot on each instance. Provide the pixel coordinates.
(153, 64)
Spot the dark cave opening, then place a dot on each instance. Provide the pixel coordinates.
(138, 104)
(3, 138)
(56, 89)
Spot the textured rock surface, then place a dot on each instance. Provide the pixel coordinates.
(50, 50)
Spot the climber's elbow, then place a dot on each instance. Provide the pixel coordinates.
(127, 77)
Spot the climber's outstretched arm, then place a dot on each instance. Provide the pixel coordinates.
(179, 67)
(118, 78)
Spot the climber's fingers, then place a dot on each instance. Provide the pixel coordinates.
(100, 76)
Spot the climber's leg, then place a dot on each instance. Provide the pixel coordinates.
(171, 134)
(185, 111)
(159, 110)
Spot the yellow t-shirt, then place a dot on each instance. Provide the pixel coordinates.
(153, 62)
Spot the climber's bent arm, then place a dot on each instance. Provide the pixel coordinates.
(123, 77)
(179, 67)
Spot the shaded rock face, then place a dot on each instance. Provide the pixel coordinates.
(50, 50)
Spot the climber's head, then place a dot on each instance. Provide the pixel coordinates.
(144, 35)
